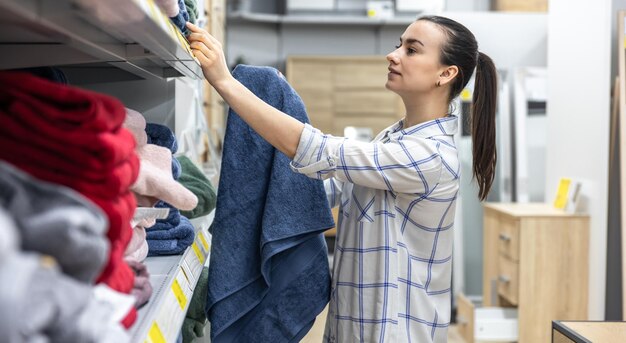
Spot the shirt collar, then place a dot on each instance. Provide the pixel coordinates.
(447, 125)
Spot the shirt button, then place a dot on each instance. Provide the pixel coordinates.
(331, 162)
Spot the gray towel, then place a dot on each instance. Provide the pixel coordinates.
(55, 220)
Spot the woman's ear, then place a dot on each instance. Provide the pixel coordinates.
(448, 74)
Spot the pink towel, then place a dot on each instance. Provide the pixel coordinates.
(170, 7)
(137, 249)
(155, 178)
(136, 124)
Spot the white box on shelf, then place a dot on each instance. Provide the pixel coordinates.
(380, 9)
(428, 6)
(306, 5)
(495, 324)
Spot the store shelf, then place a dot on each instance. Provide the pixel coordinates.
(134, 36)
(317, 19)
(173, 280)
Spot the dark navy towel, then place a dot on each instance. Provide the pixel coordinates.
(181, 19)
(169, 236)
(269, 275)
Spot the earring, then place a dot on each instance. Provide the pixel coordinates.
(439, 83)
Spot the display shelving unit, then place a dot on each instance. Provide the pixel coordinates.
(109, 43)
(173, 280)
(133, 36)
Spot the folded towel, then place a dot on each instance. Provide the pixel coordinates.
(171, 241)
(142, 289)
(155, 178)
(101, 151)
(195, 320)
(161, 135)
(76, 118)
(55, 220)
(137, 249)
(45, 103)
(136, 124)
(182, 18)
(268, 214)
(192, 9)
(169, 7)
(194, 180)
(86, 181)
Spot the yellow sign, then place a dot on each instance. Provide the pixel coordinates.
(155, 334)
(178, 293)
(562, 193)
(203, 241)
(199, 254)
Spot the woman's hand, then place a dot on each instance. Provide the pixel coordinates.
(210, 54)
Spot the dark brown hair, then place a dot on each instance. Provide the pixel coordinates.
(461, 50)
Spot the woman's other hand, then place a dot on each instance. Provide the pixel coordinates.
(210, 54)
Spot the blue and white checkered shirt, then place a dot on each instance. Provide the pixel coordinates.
(396, 197)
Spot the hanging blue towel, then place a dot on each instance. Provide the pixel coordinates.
(169, 236)
(269, 275)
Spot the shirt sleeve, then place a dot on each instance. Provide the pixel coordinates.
(333, 189)
(406, 165)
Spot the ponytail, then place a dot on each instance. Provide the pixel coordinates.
(483, 121)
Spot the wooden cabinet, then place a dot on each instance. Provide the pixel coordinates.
(536, 259)
(588, 331)
(341, 91)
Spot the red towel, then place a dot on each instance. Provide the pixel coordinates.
(107, 185)
(74, 137)
(66, 107)
(92, 149)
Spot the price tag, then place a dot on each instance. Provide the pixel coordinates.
(199, 254)
(203, 241)
(155, 334)
(178, 293)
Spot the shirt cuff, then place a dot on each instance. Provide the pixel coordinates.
(309, 159)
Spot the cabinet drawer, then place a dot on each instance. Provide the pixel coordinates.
(508, 279)
(508, 237)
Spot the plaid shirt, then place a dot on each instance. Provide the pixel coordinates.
(396, 197)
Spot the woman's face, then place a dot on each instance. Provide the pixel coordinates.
(414, 66)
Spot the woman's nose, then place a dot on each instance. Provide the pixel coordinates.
(391, 57)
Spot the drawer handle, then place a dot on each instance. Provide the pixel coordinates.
(504, 237)
(504, 279)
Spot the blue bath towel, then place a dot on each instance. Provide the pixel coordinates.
(169, 236)
(182, 18)
(269, 275)
(161, 135)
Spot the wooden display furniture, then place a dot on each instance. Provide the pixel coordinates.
(536, 259)
(341, 91)
(588, 331)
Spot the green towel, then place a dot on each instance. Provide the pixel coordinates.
(195, 321)
(194, 180)
(192, 9)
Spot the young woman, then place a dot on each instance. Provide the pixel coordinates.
(397, 194)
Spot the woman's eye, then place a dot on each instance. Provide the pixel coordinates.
(398, 46)
(410, 51)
